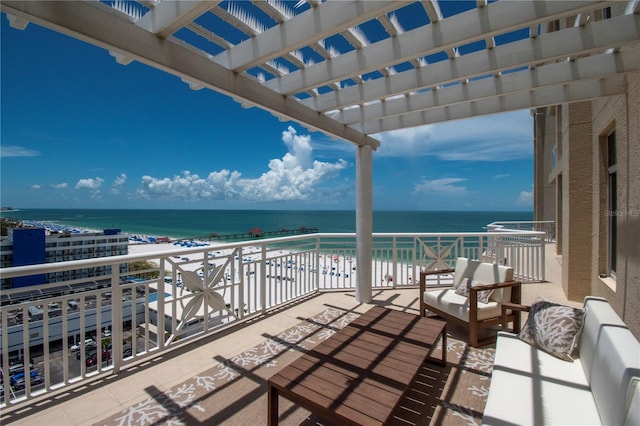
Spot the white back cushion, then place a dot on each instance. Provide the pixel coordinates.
(633, 404)
(598, 314)
(486, 273)
(461, 269)
(616, 362)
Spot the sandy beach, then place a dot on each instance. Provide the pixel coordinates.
(334, 265)
(337, 270)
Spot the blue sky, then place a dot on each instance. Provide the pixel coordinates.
(79, 130)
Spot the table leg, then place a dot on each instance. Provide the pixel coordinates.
(444, 346)
(272, 405)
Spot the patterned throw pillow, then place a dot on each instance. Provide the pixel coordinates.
(466, 283)
(553, 328)
(463, 287)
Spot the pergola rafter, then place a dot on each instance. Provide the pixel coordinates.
(367, 88)
(465, 28)
(592, 68)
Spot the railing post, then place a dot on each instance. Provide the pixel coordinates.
(263, 281)
(394, 268)
(317, 273)
(542, 260)
(116, 313)
(160, 340)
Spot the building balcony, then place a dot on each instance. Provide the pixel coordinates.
(265, 286)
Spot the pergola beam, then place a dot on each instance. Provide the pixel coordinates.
(96, 24)
(169, 16)
(315, 24)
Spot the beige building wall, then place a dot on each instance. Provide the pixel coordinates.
(576, 199)
(579, 133)
(545, 200)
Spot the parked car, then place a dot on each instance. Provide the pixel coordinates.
(88, 347)
(18, 368)
(18, 380)
(92, 356)
(76, 347)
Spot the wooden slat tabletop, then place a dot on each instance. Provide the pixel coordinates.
(359, 374)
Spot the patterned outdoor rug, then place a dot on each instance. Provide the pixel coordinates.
(234, 392)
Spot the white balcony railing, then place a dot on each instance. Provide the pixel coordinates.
(546, 226)
(191, 292)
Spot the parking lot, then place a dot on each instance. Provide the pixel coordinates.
(57, 362)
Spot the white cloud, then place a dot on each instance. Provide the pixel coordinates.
(218, 185)
(299, 146)
(62, 185)
(90, 184)
(118, 183)
(498, 137)
(293, 177)
(35, 186)
(440, 186)
(525, 198)
(502, 176)
(17, 151)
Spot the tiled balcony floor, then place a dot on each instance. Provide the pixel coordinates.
(91, 403)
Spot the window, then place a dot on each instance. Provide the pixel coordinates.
(612, 202)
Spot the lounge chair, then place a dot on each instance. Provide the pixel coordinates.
(501, 293)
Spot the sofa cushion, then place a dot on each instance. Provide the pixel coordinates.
(553, 328)
(599, 314)
(488, 273)
(460, 273)
(633, 404)
(448, 301)
(532, 387)
(466, 284)
(616, 363)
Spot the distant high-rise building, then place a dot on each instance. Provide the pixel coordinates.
(32, 246)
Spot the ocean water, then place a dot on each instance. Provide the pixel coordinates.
(199, 223)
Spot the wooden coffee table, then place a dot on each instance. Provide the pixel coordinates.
(359, 375)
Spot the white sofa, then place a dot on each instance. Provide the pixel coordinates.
(466, 311)
(601, 386)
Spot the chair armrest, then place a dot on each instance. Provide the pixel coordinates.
(515, 307)
(423, 276)
(505, 306)
(483, 286)
(438, 271)
(473, 299)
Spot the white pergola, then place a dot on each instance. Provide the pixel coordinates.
(353, 68)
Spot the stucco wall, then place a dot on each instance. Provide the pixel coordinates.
(629, 224)
(579, 131)
(622, 114)
(577, 200)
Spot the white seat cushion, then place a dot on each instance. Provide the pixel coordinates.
(448, 301)
(615, 364)
(530, 387)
